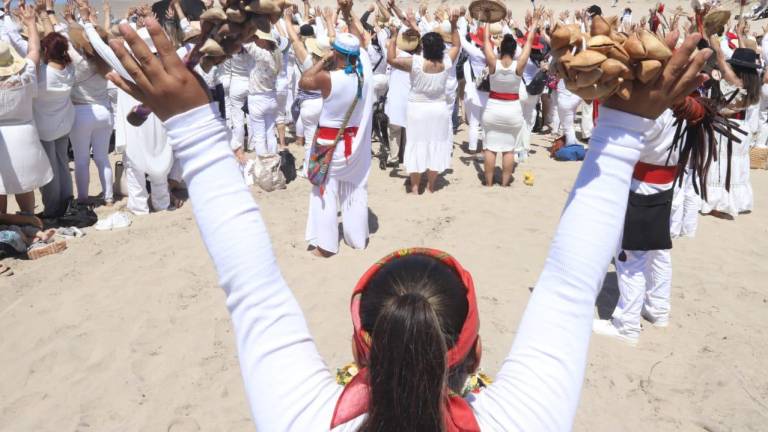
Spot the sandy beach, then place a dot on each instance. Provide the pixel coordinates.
(128, 330)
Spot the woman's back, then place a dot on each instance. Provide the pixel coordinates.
(426, 86)
(16, 96)
(505, 78)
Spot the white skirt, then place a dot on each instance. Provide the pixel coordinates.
(24, 166)
(739, 199)
(503, 124)
(428, 143)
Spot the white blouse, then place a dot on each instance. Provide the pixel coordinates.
(267, 65)
(53, 109)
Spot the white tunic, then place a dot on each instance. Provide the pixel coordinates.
(397, 98)
(24, 165)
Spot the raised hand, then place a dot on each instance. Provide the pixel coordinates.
(162, 83)
(678, 79)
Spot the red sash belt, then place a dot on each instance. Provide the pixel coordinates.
(654, 174)
(329, 134)
(504, 96)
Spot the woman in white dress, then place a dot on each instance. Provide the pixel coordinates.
(503, 117)
(54, 117)
(428, 117)
(24, 165)
(740, 76)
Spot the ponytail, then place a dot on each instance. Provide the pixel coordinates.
(413, 310)
(407, 368)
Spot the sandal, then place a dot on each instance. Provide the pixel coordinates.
(39, 249)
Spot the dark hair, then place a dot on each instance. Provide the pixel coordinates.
(433, 46)
(54, 48)
(413, 309)
(508, 46)
(307, 30)
(751, 81)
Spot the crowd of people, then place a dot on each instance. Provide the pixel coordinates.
(408, 80)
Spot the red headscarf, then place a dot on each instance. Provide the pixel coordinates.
(354, 400)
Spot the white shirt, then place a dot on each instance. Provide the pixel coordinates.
(263, 77)
(54, 112)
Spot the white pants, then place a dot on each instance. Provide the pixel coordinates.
(587, 123)
(474, 114)
(323, 222)
(566, 111)
(685, 210)
(262, 115)
(137, 190)
(645, 281)
(91, 130)
(235, 100)
(306, 126)
(396, 134)
(528, 106)
(282, 107)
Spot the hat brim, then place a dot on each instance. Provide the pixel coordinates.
(744, 64)
(313, 47)
(407, 45)
(15, 67)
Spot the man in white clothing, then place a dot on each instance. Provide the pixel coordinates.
(343, 144)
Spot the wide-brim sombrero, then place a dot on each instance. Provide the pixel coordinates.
(489, 11)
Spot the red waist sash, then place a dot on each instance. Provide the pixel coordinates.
(329, 134)
(504, 96)
(654, 174)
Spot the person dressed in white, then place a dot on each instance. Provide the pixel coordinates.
(24, 165)
(94, 119)
(310, 103)
(644, 260)
(429, 148)
(262, 93)
(54, 116)
(236, 75)
(475, 98)
(345, 132)
(503, 121)
(740, 79)
(539, 385)
(567, 105)
(408, 43)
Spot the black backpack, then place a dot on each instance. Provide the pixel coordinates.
(288, 166)
(537, 84)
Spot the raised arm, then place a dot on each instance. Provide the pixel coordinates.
(29, 19)
(453, 53)
(298, 46)
(539, 386)
(490, 56)
(270, 329)
(728, 74)
(525, 54)
(317, 77)
(401, 63)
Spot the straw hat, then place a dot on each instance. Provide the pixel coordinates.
(496, 31)
(193, 31)
(715, 19)
(408, 42)
(316, 47)
(266, 36)
(11, 62)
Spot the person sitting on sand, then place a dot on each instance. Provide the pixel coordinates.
(415, 314)
(22, 234)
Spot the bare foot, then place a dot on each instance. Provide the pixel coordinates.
(5, 270)
(45, 236)
(319, 252)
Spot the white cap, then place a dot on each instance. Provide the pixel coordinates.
(347, 43)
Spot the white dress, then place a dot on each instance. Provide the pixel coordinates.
(739, 198)
(24, 165)
(397, 96)
(427, 134)
(503, 120)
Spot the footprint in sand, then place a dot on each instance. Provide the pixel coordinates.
(183, 424)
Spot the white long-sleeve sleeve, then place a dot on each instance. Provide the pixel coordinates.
(105, 52)
(539, 385)
(289, 386)
(10, 33)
